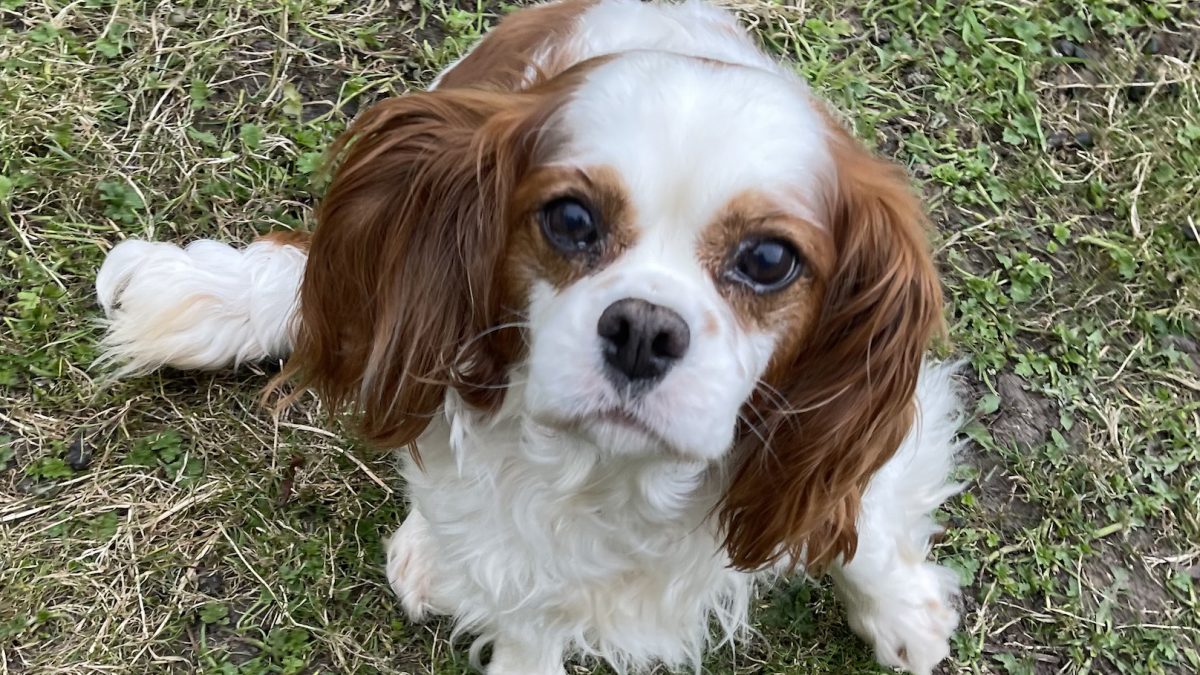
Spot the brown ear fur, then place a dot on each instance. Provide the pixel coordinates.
(843, 402)
(399, 298)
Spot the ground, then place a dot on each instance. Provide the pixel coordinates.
(170, 524)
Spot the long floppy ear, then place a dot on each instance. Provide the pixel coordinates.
(843, 402)
(399, 291)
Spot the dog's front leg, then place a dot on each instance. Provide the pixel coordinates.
(513, 656)
(895, 597)
(410, 568)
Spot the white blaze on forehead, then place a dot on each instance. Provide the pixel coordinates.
(688, 135)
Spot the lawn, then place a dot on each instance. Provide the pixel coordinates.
(171, 524)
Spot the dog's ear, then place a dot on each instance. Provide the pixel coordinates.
(847, 392)
(400, 292)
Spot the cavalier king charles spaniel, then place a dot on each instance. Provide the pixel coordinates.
(647, 324)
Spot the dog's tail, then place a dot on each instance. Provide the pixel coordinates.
(204, 306)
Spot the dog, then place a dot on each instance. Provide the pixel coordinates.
(647, 324)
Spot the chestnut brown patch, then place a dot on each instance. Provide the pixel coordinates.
(407, 289)
(601, 188)
(752, 214)
(504, 56)
(404, 293)
(296, 238)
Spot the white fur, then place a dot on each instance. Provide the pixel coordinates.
(544, 529)
(410, 568)
(205, 306)
(551, 545)
(691, 28)
(675, 129)
(895, 598)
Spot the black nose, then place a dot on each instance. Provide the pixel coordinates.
(640, 340)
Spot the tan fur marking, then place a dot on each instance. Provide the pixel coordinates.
(295, 238)
(753, 214)
(504, 56)
(407, 284)
(599, 186)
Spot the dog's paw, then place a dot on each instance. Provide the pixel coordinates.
(408, 567)
(523, 658)
(910, 626)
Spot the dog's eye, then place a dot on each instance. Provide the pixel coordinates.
(766, 264)
(569, 225)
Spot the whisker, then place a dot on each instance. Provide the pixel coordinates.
(779, 399)
(785, 409)
(494, 329)
(766, 446)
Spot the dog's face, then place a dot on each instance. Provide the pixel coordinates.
(671, 255)
(674, 238)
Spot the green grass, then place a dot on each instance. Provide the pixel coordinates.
(170, 524)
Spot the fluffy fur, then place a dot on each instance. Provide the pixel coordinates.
(205, 306)
(556, 512)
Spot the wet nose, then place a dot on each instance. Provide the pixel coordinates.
(641, 340)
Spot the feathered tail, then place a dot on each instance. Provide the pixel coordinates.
(204, 306)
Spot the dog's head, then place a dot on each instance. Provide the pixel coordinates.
(672, 255)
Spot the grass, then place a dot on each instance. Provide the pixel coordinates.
(170, 524)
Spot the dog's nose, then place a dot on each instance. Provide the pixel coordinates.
(641, 340)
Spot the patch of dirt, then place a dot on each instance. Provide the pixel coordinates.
(1187, 346)
(210, 582)
(1001, 495)
(1071, 83)
(220, 640)
(320, 69)
(14, 20)
(1098, 63)
(21, 451)
(431, 32)
(1024, 418)
(890, 133)
(1134, 593)
(1165, 43)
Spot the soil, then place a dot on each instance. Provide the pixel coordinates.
(1024, 418)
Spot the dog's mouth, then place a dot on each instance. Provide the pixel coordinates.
(614, 426)
(619, 422)
(619, 417)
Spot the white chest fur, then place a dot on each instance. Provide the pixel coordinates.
(538, 532)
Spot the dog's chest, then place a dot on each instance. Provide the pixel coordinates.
(621, 548)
